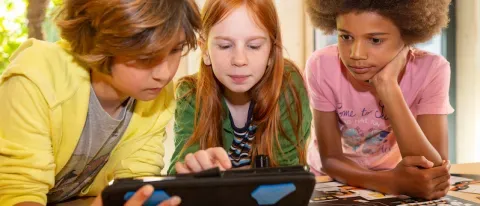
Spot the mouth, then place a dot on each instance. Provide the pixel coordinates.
(360, 70)
(239, 78)
(154, 90)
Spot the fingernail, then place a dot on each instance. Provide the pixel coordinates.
(148, 190)
(175, 200)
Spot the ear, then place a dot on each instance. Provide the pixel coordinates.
(201, 43)
(205, 56)
(270, 62)
(206, 59)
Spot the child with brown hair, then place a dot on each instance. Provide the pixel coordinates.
(93, 107)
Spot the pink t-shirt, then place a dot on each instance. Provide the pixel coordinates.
(367, 136)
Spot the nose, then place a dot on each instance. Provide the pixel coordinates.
(162, 70)
(239, 58)
(358, 51)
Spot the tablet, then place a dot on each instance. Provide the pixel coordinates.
(259, 186)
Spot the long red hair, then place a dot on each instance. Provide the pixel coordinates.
(209, 112)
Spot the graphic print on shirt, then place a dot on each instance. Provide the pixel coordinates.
(365, 132)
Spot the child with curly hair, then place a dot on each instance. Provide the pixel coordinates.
(380, 106)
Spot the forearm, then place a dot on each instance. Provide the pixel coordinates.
(345, 170)
(410, 137)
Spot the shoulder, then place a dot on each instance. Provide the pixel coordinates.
(186, 86)
(294, 91)
(185, 95)
(185, 89)
(426, 65)
(326, 56)
(50, 67)
(324, 62)
(36, 56)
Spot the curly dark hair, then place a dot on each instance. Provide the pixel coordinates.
(417, 20)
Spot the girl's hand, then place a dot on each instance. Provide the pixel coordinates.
(203, 160)
(415, 176)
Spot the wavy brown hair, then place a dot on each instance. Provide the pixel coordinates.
(266, 93)
(417, 20)
(98, 30)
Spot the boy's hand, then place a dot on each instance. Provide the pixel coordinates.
(140, 197)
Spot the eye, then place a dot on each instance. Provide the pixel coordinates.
(346, 37)
(144, 60)
(224, 46)
(376, 41)
(177, 49)
(254, 47)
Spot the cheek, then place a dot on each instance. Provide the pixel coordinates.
(381, 57)
(129, 80)
(343, 50)
(134, 76)
(344, 58)
(173, 69)
(259, 59)
(122, 72)
(220, 58)
(259, 70)
(219, 72)
(173, 66)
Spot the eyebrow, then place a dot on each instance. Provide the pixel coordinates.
(370, 34)
(249, 38)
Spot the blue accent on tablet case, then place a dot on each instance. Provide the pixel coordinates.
(271, 194)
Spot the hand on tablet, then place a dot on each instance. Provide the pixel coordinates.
(141, 196)
(203, 160)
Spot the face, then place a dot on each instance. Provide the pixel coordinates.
(238, 51)
(143, 80)
(367, 42)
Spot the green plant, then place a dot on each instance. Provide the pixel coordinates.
(13, 27)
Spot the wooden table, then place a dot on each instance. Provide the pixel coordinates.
(473, 168)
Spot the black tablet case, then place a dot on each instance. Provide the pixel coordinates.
(262, 186)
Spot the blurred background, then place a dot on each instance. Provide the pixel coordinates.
(459, 44)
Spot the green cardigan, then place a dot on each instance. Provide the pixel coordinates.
(185, 113)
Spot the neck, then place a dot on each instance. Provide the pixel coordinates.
(110, 98)
(238, 104)
(236, 98)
